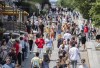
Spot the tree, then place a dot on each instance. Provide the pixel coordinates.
(26, 6)
(66, 3)
(95, 13)
(29, 5)
(88, 8)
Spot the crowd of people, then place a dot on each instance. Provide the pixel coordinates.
(57, 26)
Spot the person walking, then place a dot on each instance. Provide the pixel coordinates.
(18, 48)
(66, 47)
(4, 50)
(46, 60)
(30, 40)
(41, 27)
(40, 44)
(86, 30)
(35, 61)
(49, 45)
(22, 42)
(83, 39)
(52, 33)
(59, 30)
(60, 40)
(67, 36)
(26, 48)
(36, 23)
(74, 55)
(28, 26)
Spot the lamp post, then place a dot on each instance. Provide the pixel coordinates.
(13, 18)
(20, 20)
(33, 16)
(21, 11)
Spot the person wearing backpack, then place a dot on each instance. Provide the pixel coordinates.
(46, 60)
(35, 61)
(86, 30)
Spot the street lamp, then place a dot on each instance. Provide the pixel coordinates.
(13, 18)
(20, 20)
(33, 16)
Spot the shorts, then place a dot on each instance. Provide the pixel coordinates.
(49, 50)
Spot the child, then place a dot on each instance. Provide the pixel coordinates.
(83, 64)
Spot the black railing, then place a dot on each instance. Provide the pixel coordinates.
(13, 25)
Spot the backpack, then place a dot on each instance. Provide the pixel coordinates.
(62, 53)
(86, 29)
(46, 59)
(35, 63)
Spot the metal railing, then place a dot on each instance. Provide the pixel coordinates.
(13, 25)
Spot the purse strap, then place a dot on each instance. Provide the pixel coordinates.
(3, 56)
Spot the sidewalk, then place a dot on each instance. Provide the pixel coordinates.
(54, 55)
(84, 55)
(93, 55)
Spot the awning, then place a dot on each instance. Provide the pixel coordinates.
(13, 12)
(10, 11)
(6, 6)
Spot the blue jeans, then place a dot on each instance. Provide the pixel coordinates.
(74, 63)
(59, 31)
(45, 65)
(40, 50)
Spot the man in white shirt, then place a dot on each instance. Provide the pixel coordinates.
(63, 20)
(22, 43)
(74, 55)
(36, 25)
(67, 36)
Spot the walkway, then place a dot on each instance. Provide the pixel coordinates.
(93, 54)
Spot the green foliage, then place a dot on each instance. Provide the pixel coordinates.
(84, 9)
(95, 14)
(82, 5)
(37, 1)
(66, 3)
(88, 8)
(26, 6)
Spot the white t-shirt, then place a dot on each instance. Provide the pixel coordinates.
(20, 48)
(67, 36)
(35, 61)
(74, 53)
(63, 21)
(66, 47)
(36, 23)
